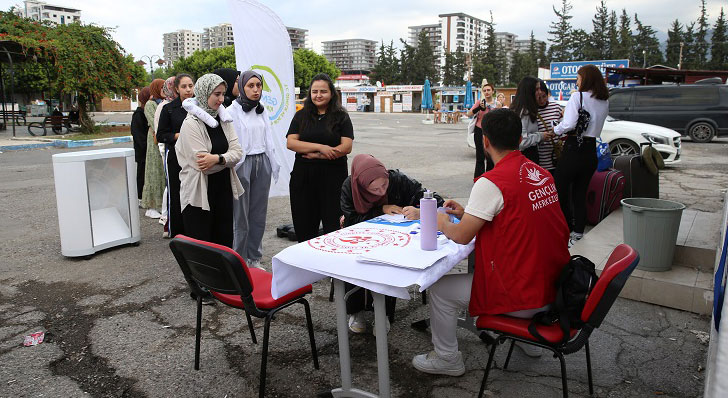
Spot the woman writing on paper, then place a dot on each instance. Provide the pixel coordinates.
(371, 191)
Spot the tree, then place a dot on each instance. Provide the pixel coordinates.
(613, 36)
(599, 44)
(646, 45)
(581, 47)
(205, 61)
(481, 68)
(626, 41)
(28, 78)
(701, 44)
(560, 31)
(674, 38)
(689, 48)
(387, 68)
(719, 48)
(424, 61)
(449, 77)
(307, 64)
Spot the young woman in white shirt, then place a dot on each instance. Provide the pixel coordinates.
(578, 160)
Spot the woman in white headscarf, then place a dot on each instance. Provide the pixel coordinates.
(207, 150)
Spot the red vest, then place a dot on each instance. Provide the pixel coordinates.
(520, 253)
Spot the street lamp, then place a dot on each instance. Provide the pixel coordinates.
(644, 59)
(160, 61)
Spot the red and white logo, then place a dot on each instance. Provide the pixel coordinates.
(359, 240)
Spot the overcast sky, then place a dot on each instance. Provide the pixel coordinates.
(139, 24)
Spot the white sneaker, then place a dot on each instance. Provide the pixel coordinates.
(162, 220)
(151, 213)
(357, 323)
(574, 237)
(254, 264)
(530, 350)
(433, 364)
(374, 327)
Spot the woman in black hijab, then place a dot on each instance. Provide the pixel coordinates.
(231, 78)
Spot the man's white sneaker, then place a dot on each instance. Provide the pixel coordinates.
(357, 323)
(374, 327)
(433, 364)
(151, 213)
(530, 350)
(255, 264)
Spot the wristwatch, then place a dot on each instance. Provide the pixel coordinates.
(220, 160)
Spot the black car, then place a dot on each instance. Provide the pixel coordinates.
(697, 110)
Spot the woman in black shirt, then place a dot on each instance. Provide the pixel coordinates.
(321, 134)
(170, 124)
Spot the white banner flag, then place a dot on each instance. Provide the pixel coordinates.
(263, 45)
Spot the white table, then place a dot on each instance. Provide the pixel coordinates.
(333, 255)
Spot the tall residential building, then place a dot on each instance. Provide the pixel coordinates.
(460, 31)
(434, 34)
(217, 36)
(42, 11)
(351, 54)
(298, 37)
(181, 43)
(523, 46)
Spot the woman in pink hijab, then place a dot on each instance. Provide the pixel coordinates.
(370, 191)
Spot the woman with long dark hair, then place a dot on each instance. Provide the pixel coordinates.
(578, 159)
(154, 170)
(170, 124)
(322, 135)
(139, 131)
(526, 107)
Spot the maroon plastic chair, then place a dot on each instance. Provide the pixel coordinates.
(620, 265)
(222, 271)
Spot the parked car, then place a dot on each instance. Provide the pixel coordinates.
(624, 138)
(697, 110)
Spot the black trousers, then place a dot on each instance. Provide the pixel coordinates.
(214, 226)
(482, 160)
(575, 168)
(176, 225)
(362, 300)
(315, 190)
(141, 166)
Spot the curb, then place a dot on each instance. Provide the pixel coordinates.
(69, 143)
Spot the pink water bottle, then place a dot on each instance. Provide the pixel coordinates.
(428, 222)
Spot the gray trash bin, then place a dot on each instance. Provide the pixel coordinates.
(651, 227)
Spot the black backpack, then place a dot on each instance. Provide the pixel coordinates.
(576, 281)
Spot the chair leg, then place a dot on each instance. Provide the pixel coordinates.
(510, 351)
(564, 387)
(487, 370)
(311, 337)
(331, 291)
(588, 368)
(250, 327)
(264, 359)
(198, 332)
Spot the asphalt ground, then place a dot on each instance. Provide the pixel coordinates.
(121, 324)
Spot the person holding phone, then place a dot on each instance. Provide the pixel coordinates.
(479, 109)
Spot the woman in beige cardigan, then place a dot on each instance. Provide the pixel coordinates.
(207, 151)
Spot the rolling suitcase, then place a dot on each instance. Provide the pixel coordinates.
(639, 182)
(604, 194)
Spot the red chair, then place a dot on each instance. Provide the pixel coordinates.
(222, 271)
(620, 265)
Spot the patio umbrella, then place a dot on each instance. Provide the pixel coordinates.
(468, 95)
(427, 95)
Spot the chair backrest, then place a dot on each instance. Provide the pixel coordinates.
(620, 265)
(213, 266)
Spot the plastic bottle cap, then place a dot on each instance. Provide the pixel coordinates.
(428, 195)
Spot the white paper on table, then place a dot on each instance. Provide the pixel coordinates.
(408, 257)
(393, 218)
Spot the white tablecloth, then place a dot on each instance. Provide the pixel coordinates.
(335, 254)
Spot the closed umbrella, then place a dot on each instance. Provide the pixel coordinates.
(468, 95)
(427, 95)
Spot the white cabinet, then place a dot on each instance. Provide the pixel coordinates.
(96, 196)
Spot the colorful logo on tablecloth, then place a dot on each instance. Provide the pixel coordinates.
(359, 240)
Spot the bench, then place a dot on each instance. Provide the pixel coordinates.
(55, 124)
(13, 115)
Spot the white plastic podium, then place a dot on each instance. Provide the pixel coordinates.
(96, 196)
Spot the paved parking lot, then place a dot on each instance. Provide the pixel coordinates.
(122, 323)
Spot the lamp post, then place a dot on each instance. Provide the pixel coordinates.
(160, 61)
(644, 59)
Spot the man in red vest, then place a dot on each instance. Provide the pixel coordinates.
(521, 240)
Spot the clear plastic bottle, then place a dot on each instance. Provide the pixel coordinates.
(428, 222)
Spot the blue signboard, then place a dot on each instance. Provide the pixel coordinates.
(567, 70)
(561, 89)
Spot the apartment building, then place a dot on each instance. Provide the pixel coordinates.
(299, 37)
(217, 36)
(351, 55)
(434, 34)
(181, 43)
(42, 11)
